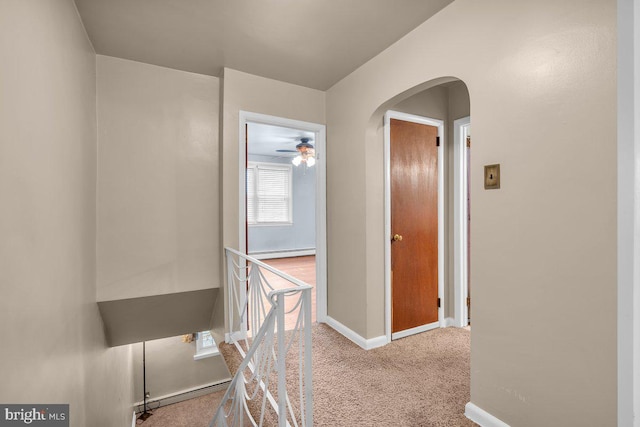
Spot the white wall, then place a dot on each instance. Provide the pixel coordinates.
(171, 369)
(541, 79)
(158, 196)
(53, 348)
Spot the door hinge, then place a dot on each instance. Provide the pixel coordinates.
(437, 141)
(438, 302)
(468, 301)
(468, 142)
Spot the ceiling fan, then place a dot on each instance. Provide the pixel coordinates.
(307, 153)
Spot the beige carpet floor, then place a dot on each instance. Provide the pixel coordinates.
(196, 412)
(419, 381)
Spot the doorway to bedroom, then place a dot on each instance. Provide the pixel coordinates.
(284, 202)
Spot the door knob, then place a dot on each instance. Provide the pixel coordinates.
(396, 238)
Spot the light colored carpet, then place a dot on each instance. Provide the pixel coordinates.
(196, 412)
(418, 381)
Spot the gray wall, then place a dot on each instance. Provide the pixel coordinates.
(302, 233)
(171, 368)
(548, 118)
(158, 207)
(53, 348)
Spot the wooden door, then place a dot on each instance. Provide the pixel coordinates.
(414, 217)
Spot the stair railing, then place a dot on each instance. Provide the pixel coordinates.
(265, 321)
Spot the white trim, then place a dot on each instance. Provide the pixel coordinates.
(270, 224)
(387, 226)
(186, 394)
(283, 254)
(628, 213)
(133, 422)
(235, 337)
(449, 321)
(321, 195)
(460, 214)
(482, 417)
(387, 212)
(416, 330)
(366, 344)
(203, 352)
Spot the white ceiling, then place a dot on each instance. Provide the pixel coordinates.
(265, 140)
(313, 43)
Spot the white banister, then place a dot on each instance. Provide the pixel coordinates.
(282, 364)
(258, 314)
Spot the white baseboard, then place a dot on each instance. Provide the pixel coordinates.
(449, 321)
(133, 422)
(168, 399)
(283, 254)
(416, 330)
(366, 344)
(482, 417)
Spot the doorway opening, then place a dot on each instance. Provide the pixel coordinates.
(462, 220)
(446, 105)
(283, 200)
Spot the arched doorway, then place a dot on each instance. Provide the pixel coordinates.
(447, 103)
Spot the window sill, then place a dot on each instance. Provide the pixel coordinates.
(206, 353)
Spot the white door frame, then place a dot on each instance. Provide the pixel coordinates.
(321, 195)
(460, 214)
(387, 221)
(628, 207)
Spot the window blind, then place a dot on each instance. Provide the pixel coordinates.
(268, 193)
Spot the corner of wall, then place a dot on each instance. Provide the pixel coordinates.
(366, 344)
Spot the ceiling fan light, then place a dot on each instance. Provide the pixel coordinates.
(311, 161)
(296, 160)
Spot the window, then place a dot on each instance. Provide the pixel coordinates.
(268, 193)
(205, 346)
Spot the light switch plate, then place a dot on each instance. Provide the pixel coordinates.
(492, 177)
